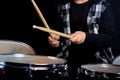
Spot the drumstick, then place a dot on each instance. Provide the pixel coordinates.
(40, 14)
(52, 31)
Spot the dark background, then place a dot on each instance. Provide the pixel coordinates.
(18, 16)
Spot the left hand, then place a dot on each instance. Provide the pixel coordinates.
(78, 37)
(53, 40)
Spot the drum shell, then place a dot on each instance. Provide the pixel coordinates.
(13, 71)
(51, 72)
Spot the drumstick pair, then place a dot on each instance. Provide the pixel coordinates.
(47, 29)
(52, 31)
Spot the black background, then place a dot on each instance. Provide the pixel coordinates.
(18, 16)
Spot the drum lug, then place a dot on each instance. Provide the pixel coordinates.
(105, 76)
(29, 70)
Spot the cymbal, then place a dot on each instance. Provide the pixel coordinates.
(31, 59)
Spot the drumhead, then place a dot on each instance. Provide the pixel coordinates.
(31, 59)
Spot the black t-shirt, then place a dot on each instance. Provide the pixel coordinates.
(78, 16)
(78, 22)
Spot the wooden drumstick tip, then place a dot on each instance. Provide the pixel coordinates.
(34, 26)
(52, 31)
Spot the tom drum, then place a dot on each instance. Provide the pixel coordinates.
(99, 72)
(33, 67)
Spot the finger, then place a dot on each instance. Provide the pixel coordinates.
(54, 43)
(50, 39)
(55, 36)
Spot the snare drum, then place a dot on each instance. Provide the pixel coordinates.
(100, 72)
(33, 67)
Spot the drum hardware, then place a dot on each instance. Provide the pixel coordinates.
(60, 69)
(32, 69)
(29, 70)
(2, 64)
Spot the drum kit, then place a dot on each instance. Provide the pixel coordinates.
(36, 67)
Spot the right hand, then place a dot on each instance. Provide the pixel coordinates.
(53, 40)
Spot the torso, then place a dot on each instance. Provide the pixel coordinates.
(78, 17)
